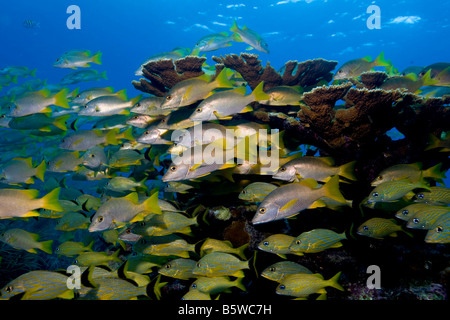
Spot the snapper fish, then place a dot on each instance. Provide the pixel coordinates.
(188, 91)
(78, 58)
(354, 68)
(82, 76)
(212, 42)
(256, 191)
(180, 268)
(394, 190)
(224, 104)
(20, 170)
(379, 228)
(288, 200)
(412, 172)
(215, 285)
(434, 196)
(82, 140)
(119, 211)
(19, 203)
(37, 102)
(214, 245)
(18, 71)
(21, 239)
(250, 37)
(108, 106)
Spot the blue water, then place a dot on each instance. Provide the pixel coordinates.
(127, 32)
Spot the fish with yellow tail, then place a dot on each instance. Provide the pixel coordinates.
(317, 240)
(216, 264)
(288, 200)
(379, 228)
(279, 270)
(188, 91)
(354, 68)
(278, 244)
(256, 191)
(21, 203)
(21, 170)
(21, 239)
(394, 190)
(441, 232)
(302, 285)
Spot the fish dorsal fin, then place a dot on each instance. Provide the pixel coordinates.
(241, 90)
(412, 76)
(224, 33)
(328, 160)
(318, 275)
(367, 58)
(45, 92)
(133, 197)
(31, 193)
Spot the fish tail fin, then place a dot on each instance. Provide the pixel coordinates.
(46, 246)
(258, 92)
(89, 246)
(348, 170)
(381, 61)
(236, 37)
(427, 81)
(234, 27)
(33, 72)
(61, 98)
(333, 282)
(60, 122)
(97, 58)
(51, 202)
(240, 251)
(435, 172)
(195, 52)
(128, 134)
(103, 75)
(331, 189)
(122, 94)
(14, 79)
(222, 79)
(111, 138)
(151, 204)
(239, 284)
(136, 99)
(115, 256)
(40, 170)
(434, 142)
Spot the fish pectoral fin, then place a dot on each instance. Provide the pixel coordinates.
(282, 255)
(289, 205)
(196, 166)
(222, 117)
(317, 204)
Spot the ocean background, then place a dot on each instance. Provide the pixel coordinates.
(412, 33)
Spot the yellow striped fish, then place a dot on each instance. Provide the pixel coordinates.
(427, 219)
(441, 231)
(303, 284)
(379, 228)
(179, 247)
(214, 285)
(214, 245)
(66, 205)
(216, 264)
(196, 295)
(87, 259)
(72, 221)
(118, 289)
(125, 158)
(41, 285)
(436, 196)
(279, 270)
(256, 191)
(278, 244)
(71, 248)
(179, 268)
(317, 240)
(394, 190)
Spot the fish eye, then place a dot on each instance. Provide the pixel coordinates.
(244, 192)
(128, 231)
(9, 288)
(173, 168)
(405, 212)
(199, 265)
(100, 219)
(63, 140)
(142, 224)
(168, 266)
(298, 242)
(138, 104)
(415, 220)
(78, 95)
(380, 178)
(282, 287)
(146, 132)
(92, 155)
(134, 254)
(273, 269)
(198, 110)
(135, 117)
(366, 228)
(375, 194)
(439, 229)
(340, 71)
(420, 196)
(169, 97)
(282, 169)
(194, 286)
(2, 116)
(266, 243)
(85, 106)
(262, 210)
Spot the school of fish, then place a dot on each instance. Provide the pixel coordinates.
(103, 171)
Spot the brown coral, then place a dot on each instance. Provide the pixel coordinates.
(306, 74)
(163, 74)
